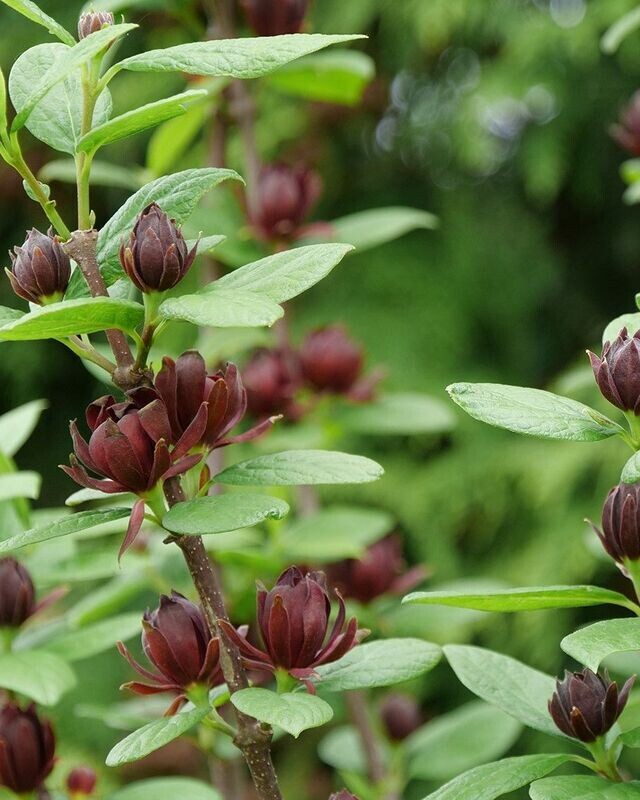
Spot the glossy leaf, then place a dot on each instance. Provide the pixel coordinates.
(20, 484)
(582, 787)
(591, 645)
(368, 229)
(294, 712)
(161, 788)
(41, 676)
(75, 645)
(33, 12)
(17, 425)
(222, 513)
(398, 414)
(223, 308)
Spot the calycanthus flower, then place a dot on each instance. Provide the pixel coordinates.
(617, 371)
(27, 749)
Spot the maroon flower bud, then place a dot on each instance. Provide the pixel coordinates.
(627, 132)
(81, 782)
(330, 360)
(17, 594)
(586, 705)
(40, 269)
(272, 378)
(94, 21)
(617, 372)
(273, 17)
(293, 618)
(620, 534)
(343, 794)
(210, 404)
(156, 257)
(400, 715)
(177, 641)
(285, 195)
(27, 748)
(381, 570)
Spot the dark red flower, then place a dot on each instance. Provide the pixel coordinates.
(156, 258)
(400, 715)
(81, 782)
(94, 21)
(620, 534)
(40, 269)
(192, 397)
(177, 641)
(17, 593)
(330, 360)
(586, 705)
(617, 372)
(285, 196)
(27, 749)
(274, 17)
(381, 570)
(627, 131)
(272, 378)
(293, 618)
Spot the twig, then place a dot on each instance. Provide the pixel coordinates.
(359, 713)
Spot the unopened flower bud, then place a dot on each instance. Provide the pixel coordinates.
(272, 378)
(273, 17)
(27, 749)
(17, 594)
(81, 782)
(620, 533)
(156, 258)
(285, 196)
(400, 715)
(586, 705)
(330, 360)
(617, 371)
(40, 269)
(94, 21)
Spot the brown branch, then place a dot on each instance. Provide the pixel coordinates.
(359, 713)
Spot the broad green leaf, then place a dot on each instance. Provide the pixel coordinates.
(85, 315)
(223, 308)
(232, 58)
(67, 63)
(20, 484)
(398, 414)
(206, 244)
(533, 412)
(342, 749)
(166, 789)
(9, 314)
(294, 712)
(16, 426)
(336, 76)
(82, 496)
(74, 523)
(57, 119)
(102, 174)
(631, 738)
(108, 599)
(631, 470)
(591, 645)
(177, 194)
(300, 468)
(618, 32)
(629, 321)
(31, 11)
(333, 534)
(37, 674)
(285, 275)
(383, 663)
(368, 229)
(75, 645)
(222, 513)
(583, 787)
(517, 689)
(526, 599)
(460, 740)
(154, 736)
(491, 781)
(138, 120)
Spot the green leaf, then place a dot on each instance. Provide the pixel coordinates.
(368, 229)
(223, 308)
(526, 599)
(460, 740)
(631, 470)
(206, 244)
(621, 28)
(517, 689)
(337, 76)
(68, 63)
(285, 275)
(75, 645)
(222, 513)
(232, 58)
(342, 749)
(20, 484)
(154, 736)
(9, 315)
(177, 194)
(533, 412)
(57, 119)
(398, 414)
(382, 663)
(107, 599)
(37, 674)
(102, 174)
(171, 140)
(164, 789)
(629, 321)
(333, 534)
(499, 778)
(16, 426)
(138, 120)
(591, 645)
(583, 787)
(300, 468)
(35, 14)
(85, 315)
(74, 523)
(293, 712)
